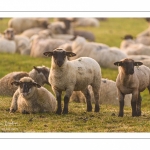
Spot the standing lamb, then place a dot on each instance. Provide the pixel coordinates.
(72, 76)
(30, 97)
(132, 80)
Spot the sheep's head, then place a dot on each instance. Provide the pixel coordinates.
(9, 34)
(59, 56)
(26, 85)
(128, 65)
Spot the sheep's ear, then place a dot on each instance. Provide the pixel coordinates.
(138, 63)
(16, 83)
(37, 69)
(70, 54)
(48, 54)
(118, 63)
(36, 85)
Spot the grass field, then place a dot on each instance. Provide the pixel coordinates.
(78, 120)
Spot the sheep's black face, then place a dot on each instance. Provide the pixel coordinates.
(9, 34)
(59, 57)
(25, 87)
(128, 65)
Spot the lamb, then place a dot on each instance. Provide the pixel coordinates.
(108, 94)
(39, 74)
(102, 53)
(30, 97)
(132, 80)
(21, 24)
(72, 76)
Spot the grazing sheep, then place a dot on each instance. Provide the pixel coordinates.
(108, 94)
(7, 43)
(72, 76)
(132, 47)
(21, 24)
(132, 80)
(30, 97)
(39, 74)
(102, 53)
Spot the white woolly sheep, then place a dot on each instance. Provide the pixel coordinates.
(132, 80)
(7, 43)
(145, 59)
(21, 24)
(132, 47)
(40, 45)
(108, 94)
(39, 74)
(102, 53)
(72, 76)
(86, 22)
(30, 97)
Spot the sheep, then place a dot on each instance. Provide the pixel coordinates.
(72, 76)
(132, 47)
(40, 45)
(108, 94)
(21, 24)
(38, 73)
(86, 22)
(7, 43)
(30, 97)
(102, 53)
(132, 80)
(145, 59)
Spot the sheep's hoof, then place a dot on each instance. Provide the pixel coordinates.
(120, 115)
(25, 112)
(65, 112)
(134, 114)
(97, 108)
(138, 113)
(58, 112)
(12, 110)
(89, 108)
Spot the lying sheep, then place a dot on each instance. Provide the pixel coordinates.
(132, 47)
(21, 24)
(132, 80)
(38, 73)
(7, 43)
(102, 53)
(108, 94)
(30, 97)
(40, 45)
(72, 76)
(145, 59)
(86, 22)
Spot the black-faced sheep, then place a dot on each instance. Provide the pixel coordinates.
(30, 97)
(132, 80)
(72, 76)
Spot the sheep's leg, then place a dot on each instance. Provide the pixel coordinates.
(121, 104)
(66, 100)
(88, 99)
(138, 106)
(14, 105)
(97, 98)
(58, 98)
(134, 102)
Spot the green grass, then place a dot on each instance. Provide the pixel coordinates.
(78, 120)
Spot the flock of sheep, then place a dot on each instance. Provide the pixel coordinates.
(75, 66)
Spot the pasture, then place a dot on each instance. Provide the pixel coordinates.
(109, 32)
